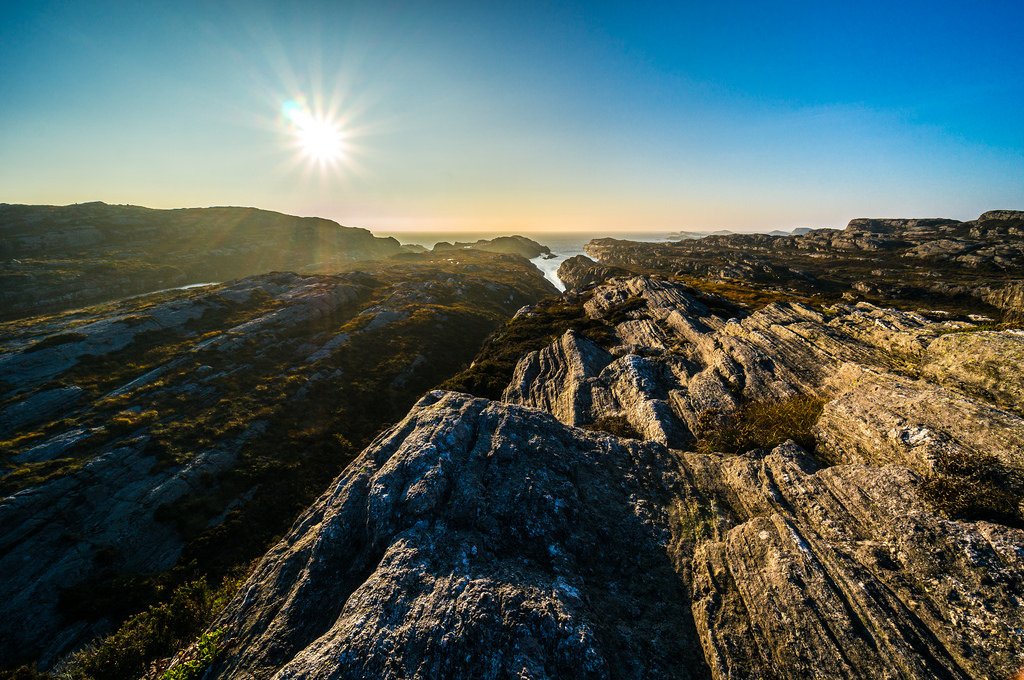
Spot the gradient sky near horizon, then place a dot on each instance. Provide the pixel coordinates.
(522, 116)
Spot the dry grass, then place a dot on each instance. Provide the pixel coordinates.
(614, 425)
(978, 487)
(760, 424)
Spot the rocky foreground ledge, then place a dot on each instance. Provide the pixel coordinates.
(482, 539)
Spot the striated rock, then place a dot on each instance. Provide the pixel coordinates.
(883, 418)
(845, 572)
(986, 364)
(555, 378)
(482, 540)
(680, 362)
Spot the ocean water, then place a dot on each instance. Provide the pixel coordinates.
(563, 245)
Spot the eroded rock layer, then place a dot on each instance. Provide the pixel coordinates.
(483, 540)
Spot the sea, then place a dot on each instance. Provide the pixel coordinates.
(563, 245)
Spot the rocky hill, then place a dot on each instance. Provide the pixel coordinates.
(54, 258)
(964, 266)
(509, 245)
(673, 487)
(580, 272)
(152, 447)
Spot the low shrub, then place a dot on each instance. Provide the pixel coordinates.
(54, 341)
(615, 425)
(198, 657)
(978, 487)
(159, 631)
(760, 424)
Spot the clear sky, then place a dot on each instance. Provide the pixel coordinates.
(517, 115)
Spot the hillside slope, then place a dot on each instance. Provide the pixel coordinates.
(54, 258)
(171, 437)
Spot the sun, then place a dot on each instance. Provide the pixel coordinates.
(320, 140)
(317, 138)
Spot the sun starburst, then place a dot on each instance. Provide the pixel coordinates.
(318, 138)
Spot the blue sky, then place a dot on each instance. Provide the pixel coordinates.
(521, 116)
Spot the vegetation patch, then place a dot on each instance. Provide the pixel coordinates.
(760, 425)
(55, 341)
(198, 657)
(33, 474)
(614, 425)
(749, 296)
(976, 487)
(159, 631)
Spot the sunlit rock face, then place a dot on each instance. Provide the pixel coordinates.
(476, 540)
(489, 539)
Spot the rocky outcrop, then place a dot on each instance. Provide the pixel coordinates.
(877, 260)
(680, 362)
(557, 378)
(483, 540)
(1008, 297)
(508, 245)
(580, 272)
(475, 540)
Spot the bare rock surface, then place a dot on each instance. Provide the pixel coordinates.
(476, 540)
(845, 572)
(880, 417)
(989, 364)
